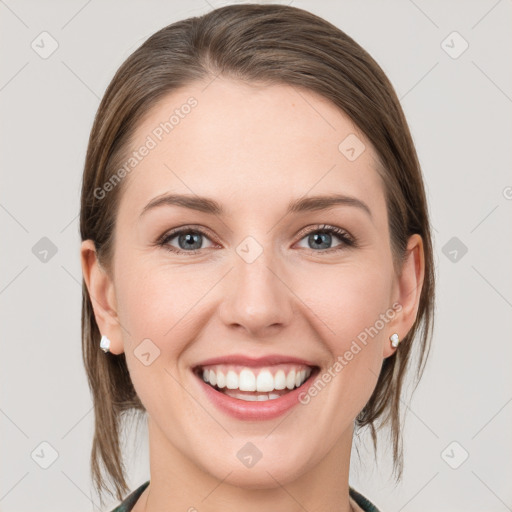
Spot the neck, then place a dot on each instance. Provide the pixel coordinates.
(178, 484)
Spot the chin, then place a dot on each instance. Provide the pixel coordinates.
(270, 473)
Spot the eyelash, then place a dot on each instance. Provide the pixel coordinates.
(348, 240)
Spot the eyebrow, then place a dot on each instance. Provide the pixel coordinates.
(207, 205)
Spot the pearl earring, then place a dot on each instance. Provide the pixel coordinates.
(395, 340)
(105, 344)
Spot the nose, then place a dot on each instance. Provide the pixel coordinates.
(256, 296)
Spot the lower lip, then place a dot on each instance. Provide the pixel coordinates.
(265, 410)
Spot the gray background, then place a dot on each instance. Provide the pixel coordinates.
(459, 109)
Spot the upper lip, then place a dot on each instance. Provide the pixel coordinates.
(243, 360)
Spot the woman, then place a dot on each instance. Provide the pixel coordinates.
(257, 262)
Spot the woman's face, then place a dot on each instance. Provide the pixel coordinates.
(254, 280)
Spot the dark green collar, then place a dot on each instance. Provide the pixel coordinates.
(130, 500)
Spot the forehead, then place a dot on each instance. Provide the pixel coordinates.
(250, 145)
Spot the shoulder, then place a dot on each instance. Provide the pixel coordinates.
(128, 503)
(363, 502)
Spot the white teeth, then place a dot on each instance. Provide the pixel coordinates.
(264, 382)
(246, 380)
(231, 380)
(251, 398)
(300, 378)
(279, 380)
(290, 380)
(221, 379)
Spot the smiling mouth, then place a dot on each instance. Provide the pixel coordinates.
(256, 385)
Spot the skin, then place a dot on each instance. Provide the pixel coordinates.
(253, 149)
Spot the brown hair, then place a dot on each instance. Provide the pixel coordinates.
(269, 44)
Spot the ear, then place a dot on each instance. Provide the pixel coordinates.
(407, 292)
(102, 294)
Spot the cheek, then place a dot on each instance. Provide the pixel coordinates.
(352, 303)
(155, 300)
(346, 303)
(155, 307)
(350, 298)
(163, 310)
